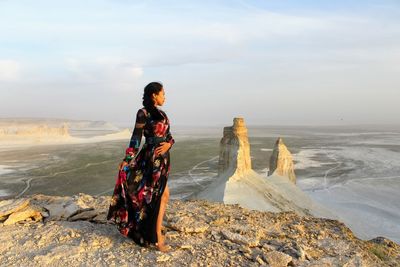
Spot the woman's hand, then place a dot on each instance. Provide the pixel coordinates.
(164, 146)
(122, 165)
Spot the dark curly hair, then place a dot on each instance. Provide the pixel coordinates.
(149, 90)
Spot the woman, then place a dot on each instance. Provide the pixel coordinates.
(141, 192)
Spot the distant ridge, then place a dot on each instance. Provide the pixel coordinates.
(56, 122)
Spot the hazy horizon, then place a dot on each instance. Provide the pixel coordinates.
(270, 62)
(130, 124)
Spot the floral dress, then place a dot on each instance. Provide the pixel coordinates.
(141, 180)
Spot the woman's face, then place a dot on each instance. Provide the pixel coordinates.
(159, 98)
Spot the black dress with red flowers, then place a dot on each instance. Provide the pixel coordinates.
(142, 179)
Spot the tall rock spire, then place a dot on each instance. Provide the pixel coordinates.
(234, 153)
(281, 161)
(237, 183)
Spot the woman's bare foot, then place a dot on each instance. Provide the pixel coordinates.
(161, 246)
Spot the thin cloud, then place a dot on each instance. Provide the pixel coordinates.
(105, 71)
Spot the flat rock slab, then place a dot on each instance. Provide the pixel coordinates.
(100, 218)
(84, 215)
(61, 210)
(188, 225)
(12, 205)
(277, 259)
(24, 214)
(239, 239)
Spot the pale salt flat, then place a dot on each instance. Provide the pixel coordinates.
(369, 209)
(306, 159)
(4, 169)
(365, 196)
(4, 193)
(9, 143)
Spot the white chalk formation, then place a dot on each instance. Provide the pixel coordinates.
(281, 161)
(235, 149)
(238, 183)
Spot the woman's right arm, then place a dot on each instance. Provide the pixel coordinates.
(138, 131)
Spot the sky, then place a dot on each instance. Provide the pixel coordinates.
(272, 62)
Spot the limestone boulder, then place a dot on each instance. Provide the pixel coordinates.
(29, 212)
(12, 205)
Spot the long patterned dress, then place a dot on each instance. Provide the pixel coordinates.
(141, 181)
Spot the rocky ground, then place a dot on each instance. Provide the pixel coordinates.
(42, 230)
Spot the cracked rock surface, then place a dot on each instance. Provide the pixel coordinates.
(73, 231)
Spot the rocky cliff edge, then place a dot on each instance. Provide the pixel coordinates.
(41, 230)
